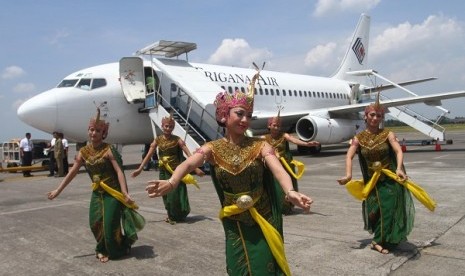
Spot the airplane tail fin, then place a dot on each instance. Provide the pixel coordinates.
(355, 58)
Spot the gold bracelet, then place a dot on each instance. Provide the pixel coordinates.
(286, 197)
(290, 190)
(171, 184)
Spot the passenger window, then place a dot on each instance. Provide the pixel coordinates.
(284, 92)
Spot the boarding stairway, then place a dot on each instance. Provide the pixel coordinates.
(417, 121)
(193, 112)
(193, 134)
(406, 115)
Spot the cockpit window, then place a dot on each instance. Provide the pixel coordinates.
(84, 84)
(96, 83)
(67, 83)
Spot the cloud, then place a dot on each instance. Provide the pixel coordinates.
(12, 72)
(237, 52)
(432, 47)
(324, 7)
(58, 37)
(321, 56)
(24, 88)
(16, 104)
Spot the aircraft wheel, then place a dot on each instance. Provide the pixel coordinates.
(309, 150)
(12, 165)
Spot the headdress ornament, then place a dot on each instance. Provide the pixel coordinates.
(98, 123)
(225, 101)
(168, 119)
(376, 106)
(276, 119)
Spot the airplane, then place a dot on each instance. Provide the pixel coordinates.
(324, 109)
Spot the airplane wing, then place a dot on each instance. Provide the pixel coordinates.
(391, 86)
(433, 100)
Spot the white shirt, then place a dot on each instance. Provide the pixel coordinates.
(26, 144)
(64, 142)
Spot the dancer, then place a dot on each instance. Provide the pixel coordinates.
(280, 142)
(388, 210)
(170, 155)
(241, 165)
(112, 215)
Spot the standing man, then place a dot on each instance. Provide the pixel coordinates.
(51, 154)
(65, 154)
(59, 152)
(25, 146)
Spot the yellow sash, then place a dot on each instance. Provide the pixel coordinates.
(360, 191)
(188, 178)
(272, 236)
(114, 193)
(299, 166)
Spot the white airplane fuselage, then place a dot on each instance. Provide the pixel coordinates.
(68, 109)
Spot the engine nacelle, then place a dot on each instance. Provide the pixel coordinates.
(326, 131)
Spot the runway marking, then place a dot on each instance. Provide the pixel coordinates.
(442, 156)
(40, 208)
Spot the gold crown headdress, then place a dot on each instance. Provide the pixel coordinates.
(98, 123)
(225, 101)
(376, 106)
(168, 119)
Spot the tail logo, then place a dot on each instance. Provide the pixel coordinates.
(359, 50)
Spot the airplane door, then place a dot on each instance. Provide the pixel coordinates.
(131, 72)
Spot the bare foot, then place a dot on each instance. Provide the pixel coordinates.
(379, 248)
(102, 258)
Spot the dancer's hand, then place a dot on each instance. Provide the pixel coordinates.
(299, 200)
(156, 188)
(401, 175)
(344, 180)
(52, 194)
(136, 172)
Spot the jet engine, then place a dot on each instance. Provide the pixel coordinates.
(326, 131)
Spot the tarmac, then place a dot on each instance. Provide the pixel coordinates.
(43, 237)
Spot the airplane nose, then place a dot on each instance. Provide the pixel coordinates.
(40, 111)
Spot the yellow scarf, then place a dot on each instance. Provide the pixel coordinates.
(188, 178)
(114, 193)
(360, 191)
(272, 236)
(299, 166)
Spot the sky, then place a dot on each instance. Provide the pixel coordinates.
(44, 41)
